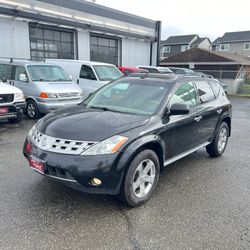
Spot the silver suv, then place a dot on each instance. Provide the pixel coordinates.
(46, 87)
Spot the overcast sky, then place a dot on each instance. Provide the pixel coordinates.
(210, 18)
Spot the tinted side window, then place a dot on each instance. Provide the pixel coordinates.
(185, 94)
(19, 70)
(87, 73)
(215, 86)
(205, 91)
(6, 71)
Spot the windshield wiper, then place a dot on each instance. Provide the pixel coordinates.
(102, 108)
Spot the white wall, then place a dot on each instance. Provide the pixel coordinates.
(14, 39)
(205, 44)
(135, 53)
(83, 45)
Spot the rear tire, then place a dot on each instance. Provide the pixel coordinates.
(140, 179)
(32, 110)
(219, 143)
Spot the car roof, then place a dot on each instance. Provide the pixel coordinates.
(23, 62)
(80, 61)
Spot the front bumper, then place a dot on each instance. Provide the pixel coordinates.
(76, 171)
(47, 107)
(14, 109)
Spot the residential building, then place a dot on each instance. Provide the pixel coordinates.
(230, 68)
(74, 29)
(233, 42)
(177, 44)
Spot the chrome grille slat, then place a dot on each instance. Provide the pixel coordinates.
(59, 145)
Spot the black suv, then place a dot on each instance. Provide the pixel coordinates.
(121, 137)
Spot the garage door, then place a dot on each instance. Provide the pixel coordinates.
(104, 49)
(51, 42)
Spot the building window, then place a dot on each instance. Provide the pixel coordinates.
(166, 49)
(184, 48)
(247, 46)
(224, 47)
(51, 43)
(104, 49)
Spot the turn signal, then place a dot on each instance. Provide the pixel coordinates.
(44, 95)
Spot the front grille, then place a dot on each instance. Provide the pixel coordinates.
(68, 95)
(6, 98)
(58, 145)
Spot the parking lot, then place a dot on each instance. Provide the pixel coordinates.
(200, 202)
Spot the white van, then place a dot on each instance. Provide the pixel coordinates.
(89, 75)
(46, 87)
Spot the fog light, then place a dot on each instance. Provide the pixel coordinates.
(95, 182)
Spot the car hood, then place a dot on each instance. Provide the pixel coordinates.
(8, 89)
(85, 124)
(59, 87)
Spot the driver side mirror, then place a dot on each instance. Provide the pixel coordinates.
(23, 78)
(179, 109)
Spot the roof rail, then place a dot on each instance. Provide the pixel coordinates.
(15, 58)
(152, 75)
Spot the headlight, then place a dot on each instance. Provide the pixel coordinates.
(48, 95)
(19, 97)
(108, 146)
(81, 94)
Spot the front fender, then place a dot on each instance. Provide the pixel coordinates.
(132, 149)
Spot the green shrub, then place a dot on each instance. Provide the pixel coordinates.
(247, 80)
(244, 89)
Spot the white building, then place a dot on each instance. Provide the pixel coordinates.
(76, 29)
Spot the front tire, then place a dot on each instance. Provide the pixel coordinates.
(219, 143)
(141, 179)
(32, 110)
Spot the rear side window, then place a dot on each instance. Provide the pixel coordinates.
(150, 70)
(6, 71)
(185, 94)
(205, 91)
(216, 87)
(87, 73)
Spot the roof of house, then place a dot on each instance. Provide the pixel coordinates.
(204, 56)
(216, 41)
(240, 36)
(172, 40)
(200, 40)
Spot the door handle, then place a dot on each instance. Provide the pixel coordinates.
(219, 111)
(198, 118)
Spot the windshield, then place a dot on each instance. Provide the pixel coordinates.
(141, 97)
(51, 73)
(107, 72)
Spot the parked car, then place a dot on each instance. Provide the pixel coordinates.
(122, 136)
(12, 103)
(89, 75)
(182, 71)
(152, 69)
(129, 70)
(46, 87)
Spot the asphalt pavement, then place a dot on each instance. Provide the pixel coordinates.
(200, 202)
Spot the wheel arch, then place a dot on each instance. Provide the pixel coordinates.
(153, 143)
(227, 120)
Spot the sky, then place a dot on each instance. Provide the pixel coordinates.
(211, 18)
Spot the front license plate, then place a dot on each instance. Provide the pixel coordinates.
(3, 110)
(37, 165)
